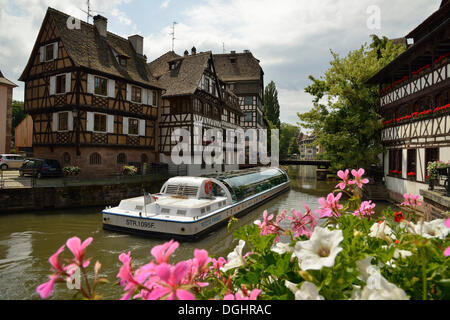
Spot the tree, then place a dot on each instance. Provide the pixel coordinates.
(287, 132)
(18, 114)
(271, 105)
(348, 125)
(293, 146)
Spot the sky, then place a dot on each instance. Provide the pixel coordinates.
(291, 38)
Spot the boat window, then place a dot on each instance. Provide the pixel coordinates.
(182, 190)
(165, 210)
(243, 184)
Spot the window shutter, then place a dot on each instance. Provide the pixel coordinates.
(68, 82)
(125, 125)
(55, 122)
(128, 92)
(144, 96)
(90, 121)
(150, 98)
(41, 54)
(90, 84)
(70, 121)
(111, 88)
(52, 85)
(142, 128)
(110, 123)
(55, 50)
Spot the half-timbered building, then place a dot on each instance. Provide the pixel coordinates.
(415, 105)
(244, 76)
(194, 97)
(93, 101)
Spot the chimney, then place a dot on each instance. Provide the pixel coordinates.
(101, 24)
(193, 51)
(233, 52)
(138, 44)
(246, 51)
(186, 53)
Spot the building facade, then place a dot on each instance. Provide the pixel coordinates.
(6, 98)
(415, 105)
(93, 101)
(23, 136)
(194, 97)
(244, 76)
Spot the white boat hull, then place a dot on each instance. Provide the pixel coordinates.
(187, 230)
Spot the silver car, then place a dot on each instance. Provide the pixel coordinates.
(11, 161)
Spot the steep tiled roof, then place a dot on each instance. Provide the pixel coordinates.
(245, 67)
(88, 49)
(186, 77)
(160, 66)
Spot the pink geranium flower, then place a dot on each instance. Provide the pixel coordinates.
(359, 181)
(170, 286)
(78, 249)
(300, 222)
(411, 200)
(447, 223)
(365, 210)
(330, 207)
(447, 252)
(253, 295)
(163, 252)
(345, 179)
(54, 260)
(45, 290)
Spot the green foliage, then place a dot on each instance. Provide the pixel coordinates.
(271, 104)
(344, 117)
(293, 146)
(287, 132)
(18, 114)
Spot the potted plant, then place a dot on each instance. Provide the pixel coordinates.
(129, 170)
(412, 175)
(69, 171)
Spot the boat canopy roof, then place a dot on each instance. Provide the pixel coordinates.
(245, 183)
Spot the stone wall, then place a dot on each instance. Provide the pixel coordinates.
(436, 205)
(109, 165)
(12, 200)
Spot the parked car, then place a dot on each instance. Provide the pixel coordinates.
(11, 161)
(41, 168)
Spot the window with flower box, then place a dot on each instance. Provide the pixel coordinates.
(411, 164)
(431, 155)
(395, 163)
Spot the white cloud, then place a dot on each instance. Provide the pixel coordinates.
(165, 4)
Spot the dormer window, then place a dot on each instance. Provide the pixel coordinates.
(233, 60)
(123, 61)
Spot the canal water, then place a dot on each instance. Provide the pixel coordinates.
(27, 240)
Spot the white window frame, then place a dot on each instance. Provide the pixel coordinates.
(93, 124)
(128, 127)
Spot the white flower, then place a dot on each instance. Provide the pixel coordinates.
(433, 229)
(282, 248)
(235, 258)
(377, 287)
(308, 291)
(320, 250)
(382, 231)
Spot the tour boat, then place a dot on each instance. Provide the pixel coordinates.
(189, 207)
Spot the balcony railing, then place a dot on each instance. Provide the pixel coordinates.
(420, 80)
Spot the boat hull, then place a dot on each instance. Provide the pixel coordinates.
(192, 230)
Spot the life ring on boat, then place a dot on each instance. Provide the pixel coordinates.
(208, 187)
